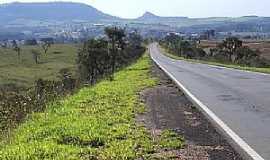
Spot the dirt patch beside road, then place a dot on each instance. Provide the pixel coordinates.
(168, 108)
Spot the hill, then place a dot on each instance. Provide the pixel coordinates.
(150, 17)
(22, 15)
(222, 24)
(57, 11)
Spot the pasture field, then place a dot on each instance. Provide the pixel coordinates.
(98, 122)
(24, 71)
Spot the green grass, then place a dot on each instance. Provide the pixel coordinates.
(234, 66)
(24, 72)
(171, 140)
(96, 123)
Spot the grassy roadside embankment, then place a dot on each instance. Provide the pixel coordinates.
(234, 66)
(99, 122)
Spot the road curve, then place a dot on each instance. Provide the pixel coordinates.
(237, 101)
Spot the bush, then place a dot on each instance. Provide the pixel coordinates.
(16, 103)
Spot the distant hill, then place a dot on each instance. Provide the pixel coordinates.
(222, 24)
(150, 17)
(59, 11)
(42, 14)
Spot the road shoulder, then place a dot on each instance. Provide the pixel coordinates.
(169, 109)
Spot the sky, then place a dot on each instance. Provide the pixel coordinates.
(187, 8)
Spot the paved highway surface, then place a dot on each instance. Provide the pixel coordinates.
(240, 99)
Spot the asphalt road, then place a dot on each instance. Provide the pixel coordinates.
(240, 99)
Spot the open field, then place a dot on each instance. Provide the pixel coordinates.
(25, 71)
(262, 46)
(99, 122)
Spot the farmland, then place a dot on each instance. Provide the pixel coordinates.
(262, 46)
(24, 71)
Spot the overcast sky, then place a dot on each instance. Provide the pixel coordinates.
(190, 8)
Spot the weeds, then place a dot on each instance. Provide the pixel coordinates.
(96, 123)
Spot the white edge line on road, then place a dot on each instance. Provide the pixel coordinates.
(234, 69)
(222, 67)
(238, 143)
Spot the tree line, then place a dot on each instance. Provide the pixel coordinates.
(230, 50)
(102, 57)
(183, 48)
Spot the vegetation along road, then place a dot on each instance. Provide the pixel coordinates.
(98, 122)
(236, 101)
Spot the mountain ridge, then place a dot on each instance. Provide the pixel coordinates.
(21, 14)
(51, 11)
(68, 5)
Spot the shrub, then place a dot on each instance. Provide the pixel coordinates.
(17, 103)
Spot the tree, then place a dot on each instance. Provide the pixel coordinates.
(16, 48)
(93, 60)
(172, 37)
(135, 39)
(116, 38)
(231, 44)
(245, 53)
(36, 55)
(45, 46)
(176, 43)
(184, 47)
